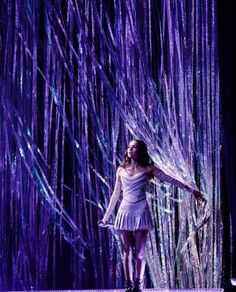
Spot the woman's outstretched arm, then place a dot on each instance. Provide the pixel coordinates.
(163, 176)
(114, 197)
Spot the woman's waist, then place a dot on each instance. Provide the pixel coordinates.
(133, 206)
(134, 199)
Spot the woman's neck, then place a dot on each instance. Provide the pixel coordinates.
(133, 164)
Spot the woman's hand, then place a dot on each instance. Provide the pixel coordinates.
(102, 223)
(199, 196)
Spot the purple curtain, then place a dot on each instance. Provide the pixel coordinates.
(79, 79)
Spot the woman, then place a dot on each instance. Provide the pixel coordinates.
(133, 220)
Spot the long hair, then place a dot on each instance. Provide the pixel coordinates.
(143, 156)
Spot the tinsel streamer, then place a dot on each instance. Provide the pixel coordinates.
(79, 79)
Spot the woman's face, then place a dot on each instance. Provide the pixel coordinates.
(132, 150)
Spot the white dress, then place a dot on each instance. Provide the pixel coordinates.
(134, 212)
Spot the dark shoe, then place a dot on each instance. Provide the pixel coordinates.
(129, 286)
(138, 285)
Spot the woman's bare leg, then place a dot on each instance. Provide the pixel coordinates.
(140, 242)
(127, 241)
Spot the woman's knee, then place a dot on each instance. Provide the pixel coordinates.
(140, 255)
(128, 251)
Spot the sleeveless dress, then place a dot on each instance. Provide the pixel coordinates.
(134, 212)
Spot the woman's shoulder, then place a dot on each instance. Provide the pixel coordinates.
(119, 169)
(150, 168)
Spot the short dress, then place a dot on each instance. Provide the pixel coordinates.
(134, 212)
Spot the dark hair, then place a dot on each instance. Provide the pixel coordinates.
(143, 156)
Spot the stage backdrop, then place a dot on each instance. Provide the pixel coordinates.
(79, 79)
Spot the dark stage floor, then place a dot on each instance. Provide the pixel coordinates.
(144, 290)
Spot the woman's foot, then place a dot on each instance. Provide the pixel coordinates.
(138, 285)
(129, 285)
